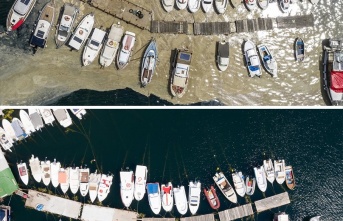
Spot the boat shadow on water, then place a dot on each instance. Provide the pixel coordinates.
(323, 92)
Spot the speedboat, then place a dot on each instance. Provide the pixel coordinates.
(281, 217)
(62, 117)
(47, 116)
(22, 169)
(181, 4)
(333, 71)
(5, 141)
(35, 167)
(290, 180)
(45, 168)
(154, 197)
(194, 196)
(25, 119)
(299, 49)
(206, 5)
(251, 4)
(279, 166)
(140, 182)
(110, 49)
(148, 63)
(126, 187)
(263, 4)
(79, 113)
(284, 5)
(167, 196)
(104, 186)
(180, 73)
(18, 13)
(252, 60)
(225, 187)
(9, 131)
(238, 182)
(180, 199)
(221, 5)
(63, 179)
(74, 179)
(316, 218)
(44, 24)
(168, 5)
(194, 5)
(54, 169)
(94, 180)
(250, 185)
(84, 181)
(223, 55)
(268, 60)
(212, 197)
(269, 169)
(82, 32)
(125, 52)
(36, 119)
(261, 178)
(93, 46)
(66, 24)
(18, 129)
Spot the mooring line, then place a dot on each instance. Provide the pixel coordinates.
(165, 163)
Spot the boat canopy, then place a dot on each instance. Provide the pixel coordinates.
(184, 58)
(60, 115)
(337, 81)
(22, 6)
(223, 49)
(152, 188)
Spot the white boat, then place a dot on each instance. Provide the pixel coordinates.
(36, 119)
(269, 169)
(45, 168)
(280, 175)
(250, 185)
(18, 13)
(47, 116)
(250, 4)
(194, 5)
(180, 73)
(18, 129)
(261, 179)
(194, 196)
(168, 5)
(167, 196)
(252, 59)
(110, 49)
(126, 187)
(225, 187)
(221, 5)
(74, 179)
(181, 4)
(282, 216)
(93, 46)
(5, 141)
(223, 55)
(180, 199)
(23, 173)
(104, 186)
(268, 60)
(316, 218)
(84, 181)
(140, 182)
(54, 169)
(284, 5)
(25, 119)
(79, 113)
(82, 32)
(238, 182)
(36, 169)
(154, 197)
(66, 23)
(149, 61)
(94, 180)
(126, 47)
(9, 131)
(314, 2)
(63, 179)
(206, 5)
(263, 4)
(63, 117)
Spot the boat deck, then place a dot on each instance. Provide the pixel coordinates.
(207, 217)
(95, 213)
(48, 13)
(236, 213)
(272, 202)
(298, 21)
(8, 184)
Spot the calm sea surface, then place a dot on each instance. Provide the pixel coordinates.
(183, 145)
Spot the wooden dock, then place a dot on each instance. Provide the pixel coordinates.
(214, 28)
(272, 202)
(236, 213)
(252, 25)
(96, 213)
(169, 27)
(208, 217)
(299, 21)
(157, 219)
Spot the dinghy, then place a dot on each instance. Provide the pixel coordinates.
(299, 49)
(94, 180)
(194, 5)
(290, 180)
(36, 119)
(268, 60)
(47, 116)
(263, 4)
(126, 187)
(206, 5)
(22, 169)
(84, 181)
(279, 166)
(79, 113)
(82, 32)
(252, 60)
(194, 196)
(250, 4)
(104, 186)
(66, 24)
(168, 5)
(250, 185)
(223, 55)
(18, 13)
(314, 2)
(238, 182)
(225, 187)
(167, 196)
(221, 5)
(261, 179)
(269, 169)
(5, 141)
(154, 197)
(212, 197)
(284, 5)
(25, 119)
(74, 179)
(63, 179)
(125, 52)
(148, 63)
(112, 44)
(140, 182)
(93, 46)
(180, 199)
(54, 169)
(62, 117)
(181, 4)
(9, 131)
(35, 167)
(18, 129)
(45, 168)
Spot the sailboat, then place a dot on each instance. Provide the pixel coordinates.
(125, 52)
(148, 63)
(140, 182)
(104, 186)
(5, 141)
(194, 196)
(25, 119)
(268, 60)
(9, 131)
(167, 196)
(18, 13)
(279, 166)
(111, 46)
(154, 197)
(45, 168)
(126, 187)
(63, 179)
(82, 32)
(63, 117)
(22, 169)
(261, 178)
(84, 181)
(36, 119)
(35, 167)
(54, 169)
(269, 169)
(238, 182)
(94, 180)
(225, 187)
(180, 199)
(18, 128)
(74, 179)
(47, 116)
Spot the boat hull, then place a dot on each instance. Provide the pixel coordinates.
(23, 173)
(168, 5)
(206, 5)
(250, 185)
(181, 4)
(126, 187)
(221, 6)
(148, 63)
(25, 119)
(180, 200)
(261, 179)
(194, 5)
(250, 4)
(269, 169)
(225, 187)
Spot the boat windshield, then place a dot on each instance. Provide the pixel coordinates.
(63, 28)
(40, 34)
(95, 43)
(254, 68)
(184, 56)
(77, 39)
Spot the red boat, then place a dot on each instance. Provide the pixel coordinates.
(212, 197)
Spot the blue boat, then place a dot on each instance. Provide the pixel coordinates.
(154, 197)
(148, 63)
(18, 129)
(299, 49)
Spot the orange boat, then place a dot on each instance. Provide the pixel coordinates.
(212, 197)
(290, 180)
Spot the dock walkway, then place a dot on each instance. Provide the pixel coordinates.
(95, 213)
(272, 202)
(156, 219)
(207, 217)
(236, 213)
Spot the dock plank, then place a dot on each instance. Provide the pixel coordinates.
(236, 212)
(207, 217)
(157, 219)
(272, 202)
(299, 21)
(95, 213)
(173, 27)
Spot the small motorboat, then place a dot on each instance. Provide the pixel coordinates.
(268, 60)
(25, 119)
(168, 5)
(250, 4)
(65, 26)
(261, 179)
(279, 166)
(9, 131)
(5, 141)
(45, 168)
(110, 49)
(263, 4)
(194, 5)
(82, 32)
(125, 52)
(54, 169)
(194, 196)
(282, 216)
(63, 117)
(84, 181)
(290, 180)
(36, 119)
(238, 182)
(18, 13)
(126, 187)
(35, 167)
(206, 5)
(252, 59)
(104, 186)
(299, 49)
(181, 4)
(212, 197)
(316, 218)
(79, 113)
(74, 179)
(148, 63)
(180, 199)
(18, 129)
(223, 55)
(314, 2)
(22, 169)
(250, 185)
(284, 5)
(167, 196)
(221, 5)
(225, 187)
(94, 180)
(93, 46)
(63, 179)
(154, 197)
(269, 169)
(140, 182)
(47, 116)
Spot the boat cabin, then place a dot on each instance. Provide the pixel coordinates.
(23, 6)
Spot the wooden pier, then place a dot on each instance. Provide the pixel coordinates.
(169, 27)
(208, 217)
(252, 25)
(299, 21)
(236, 213)
(157, 219)
(95, 213)
(272, 202)
(214, 28)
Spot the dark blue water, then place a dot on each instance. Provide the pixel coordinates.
(182, 145)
